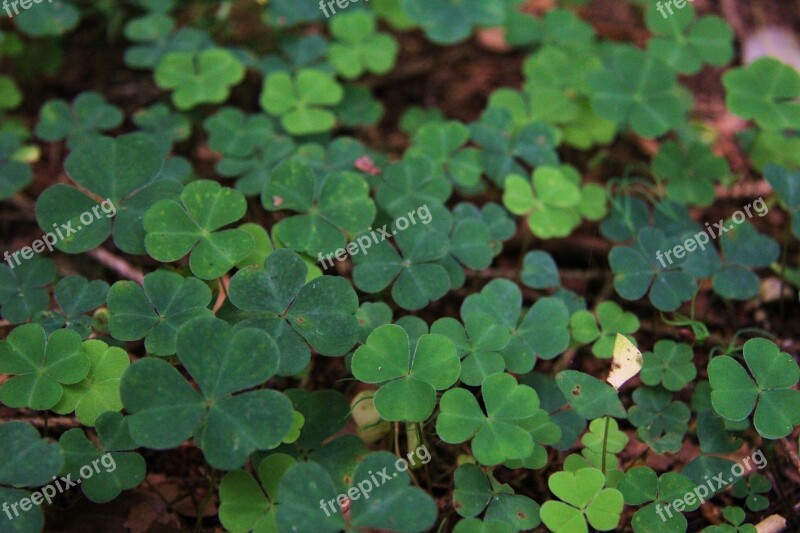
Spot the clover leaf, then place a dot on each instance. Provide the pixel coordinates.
(26, 460)
(75, 296)
(553, 201)
(478, 342)
(10, 95)
(586, 500)
(476, 491)
(753, 488)
(786, 184)
(589, 396)
(409, 379)
(451, 21)
(52, 19)
(639, 90)
(612, 320)
(99, 391)
(359, 47)
(669, 364)
(88, 115)
(409, 184)
(156, 37)
(734, 394)
(637, 270)
(442, 144)
(126, 471)
(23, 290)
(126, 172)
(309, 499)
(14, 175)
(743, 249)
(166, 410)
(156, 310)
(686, 43)
(164, 125)
(498, 435)
(41, 365)
(249, 505)
(301, 100)
(641, 485)
(603, 441)
(504, 148)
(199, 78)
(690, 172)
(418, 278)
(276, 298)
(661, 422)
(543, 331)
(250, 145)
(765, 91)
(335, 204)
(174, 229)
(735, 517)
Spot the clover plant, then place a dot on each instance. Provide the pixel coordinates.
(482, 266)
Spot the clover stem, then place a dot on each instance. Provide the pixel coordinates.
(198, 527)
(605, 446)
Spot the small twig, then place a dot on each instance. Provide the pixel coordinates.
(117, 264)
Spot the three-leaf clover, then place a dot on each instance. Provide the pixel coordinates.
(41, 366)
(308, 497)
(99, 391)
(335, 205)
(199, 78)
(249, 505)
(442, 144)
(409, 380)
(156, 310)
(662, 423)
(553, 200)
(88, 115)
(359, 47)
(641, 485)
(690, 172)
(765, 91)
(23, 290)
(126, 172)
(174, 229)
(669, 364)
(500, 434)
(639, 90)
(476, 491)
(584, 499)
(685, 42)
(417, 276)
(734, 394)
(451, 21)
(113, 470)
(165, 409)
(26, 460)
(478, 342)
(301, 100)
(277, 299)
(612, 319)
(75, 296)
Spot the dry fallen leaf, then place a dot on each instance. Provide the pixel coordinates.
(627, 362)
